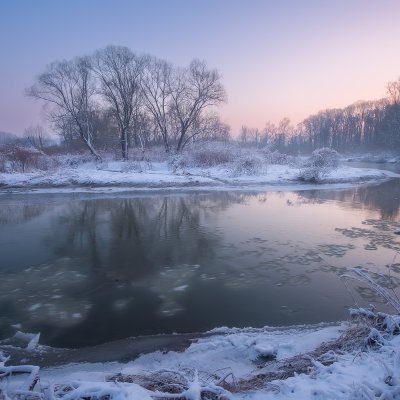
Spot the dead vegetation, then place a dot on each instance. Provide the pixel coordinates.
(365, 331)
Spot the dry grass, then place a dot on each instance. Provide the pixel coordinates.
(168, 384)
(355, 338)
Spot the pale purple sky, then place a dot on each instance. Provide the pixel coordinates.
(278, 58)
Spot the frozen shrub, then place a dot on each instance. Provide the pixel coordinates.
(247, 165)
(179, 161)
(15, 158)
(278, 158)
(212, 155)
(151, 154)
(74, 160)
(325, 157)
(311, 174)
(204, 155)
(320, 163)
(136, 166)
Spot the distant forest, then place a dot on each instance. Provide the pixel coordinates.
(365, 125)
(116, 99)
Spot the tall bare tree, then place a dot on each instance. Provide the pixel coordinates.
(67, 86)
(192, 90)
(209, 127)
(119, 72)
(36, 136)
(157, 95)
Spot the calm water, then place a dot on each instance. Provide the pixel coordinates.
(87, 269)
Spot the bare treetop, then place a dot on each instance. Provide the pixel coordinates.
(119, 71)
(192, 90)
(69, 87)
(393, 89)
(156, 93)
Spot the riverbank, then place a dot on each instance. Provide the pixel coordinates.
(351, 360)
(141, 176)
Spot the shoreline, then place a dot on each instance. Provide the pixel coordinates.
(145, 183)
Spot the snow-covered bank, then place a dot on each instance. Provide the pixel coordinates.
(159, 176)
(381, 158)
(346, 361)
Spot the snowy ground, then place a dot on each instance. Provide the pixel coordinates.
(241, 363)
(159, 176)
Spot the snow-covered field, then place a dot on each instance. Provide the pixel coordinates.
(137, 175)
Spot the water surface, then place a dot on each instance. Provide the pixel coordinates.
(87, 269)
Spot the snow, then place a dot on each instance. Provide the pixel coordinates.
(116, 175)
(236, 349)
(235, 354)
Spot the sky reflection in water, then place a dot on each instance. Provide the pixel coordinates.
(90, 269)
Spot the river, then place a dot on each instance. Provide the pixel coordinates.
(87, 269)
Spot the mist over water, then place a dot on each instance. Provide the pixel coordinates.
(87, 269)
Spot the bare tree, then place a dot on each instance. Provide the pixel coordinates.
(192, 90)
(250, 135)
(119, 72)
(68, 87)
(36, 136)
(268, 133)
(393, 90)
(157, 95)
(209, 127)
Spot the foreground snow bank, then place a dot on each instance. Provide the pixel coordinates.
(348, 361)
(159, 175)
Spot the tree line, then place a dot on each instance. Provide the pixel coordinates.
(364, 125)
(117, 96)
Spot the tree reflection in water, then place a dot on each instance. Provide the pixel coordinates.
(384, 197)
(124, 266)
(129, 253)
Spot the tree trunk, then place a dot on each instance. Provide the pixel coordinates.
(165, 139)
(124, 145)
(92, 150)
(180, 141)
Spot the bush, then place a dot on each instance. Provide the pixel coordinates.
(211, 154)
(277, 158)
(14, 158)
(325, 157)
(150, 154)
(204, 155)
(321, 163)
(178, 161)
(136, 166)
(247, 165)
(74, 160)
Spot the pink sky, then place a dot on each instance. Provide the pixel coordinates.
(277, 58)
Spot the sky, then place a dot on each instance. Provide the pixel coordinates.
(281, 58)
